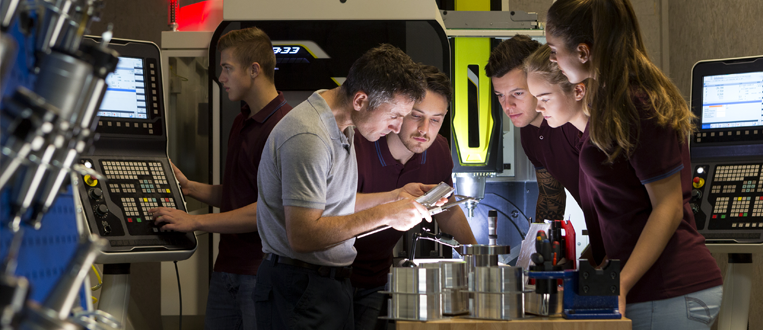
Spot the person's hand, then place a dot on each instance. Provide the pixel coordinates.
(174, 219)
(406, 213)
(185, 185)
(415, 190)
(621, 299)
(621, 303)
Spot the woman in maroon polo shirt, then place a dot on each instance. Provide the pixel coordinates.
(635, 166)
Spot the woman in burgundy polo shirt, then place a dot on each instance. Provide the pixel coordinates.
(635, 166)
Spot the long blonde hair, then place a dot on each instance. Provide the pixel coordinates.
(621, 70)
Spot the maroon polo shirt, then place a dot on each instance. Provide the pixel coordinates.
(615, 194)
(557, 151)
(378, 171)
(242, 253)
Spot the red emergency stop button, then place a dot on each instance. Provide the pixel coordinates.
(698, 182)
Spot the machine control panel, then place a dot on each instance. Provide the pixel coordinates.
(131, 156)
(727, 199)
(726, 149)
(118, 208)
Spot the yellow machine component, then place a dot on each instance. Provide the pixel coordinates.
(91, 181)
(472, 5)
(698, 182)
(472, 119)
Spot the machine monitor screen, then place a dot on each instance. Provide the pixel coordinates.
(126, 96)
(732, 100)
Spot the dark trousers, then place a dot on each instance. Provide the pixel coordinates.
(368, 305)
(290, 297)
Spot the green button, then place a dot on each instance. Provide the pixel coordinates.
(723, 216)
(745, 214)
(139, 220)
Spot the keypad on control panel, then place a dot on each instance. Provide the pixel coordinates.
(158, 173)
(129, 207)
(740, 207)
(139, 186)
(735, 172)
(124, 170)
(721, 205)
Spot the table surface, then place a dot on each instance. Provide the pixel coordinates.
(533, 323)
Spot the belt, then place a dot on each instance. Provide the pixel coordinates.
(337, 273)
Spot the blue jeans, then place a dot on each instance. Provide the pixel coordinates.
(368, 304)
(696, 310)
(230, 304)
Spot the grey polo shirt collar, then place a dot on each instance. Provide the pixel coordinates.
(328, 119)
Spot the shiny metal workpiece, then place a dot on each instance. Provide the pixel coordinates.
(499, 293)
(481, 249)
(416, 293)
(429, 199)
(545, 304)
(455, 298)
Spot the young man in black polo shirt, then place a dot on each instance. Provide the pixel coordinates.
(416, 154)
(248, 67)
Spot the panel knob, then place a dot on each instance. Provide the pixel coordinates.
(95, 193)
(102, 210)
(696, 195)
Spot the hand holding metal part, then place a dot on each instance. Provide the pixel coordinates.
(430, 200)
(439, 209)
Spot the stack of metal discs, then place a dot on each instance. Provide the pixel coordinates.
(455, 296)
(499, 293)
(416, 293)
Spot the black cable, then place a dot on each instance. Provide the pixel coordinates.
(180, 297)
(507, 217)
(512, 203)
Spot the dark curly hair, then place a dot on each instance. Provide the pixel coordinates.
(382, 73)
(437, 81)
(509, 55)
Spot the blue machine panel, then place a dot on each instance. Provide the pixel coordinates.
(44, 253)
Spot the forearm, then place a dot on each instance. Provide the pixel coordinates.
(206, 193)
(552, 198)
(660, 226)
(325, 232)
(549, 208)
(367, 201)
(238, 221)
(454, 222)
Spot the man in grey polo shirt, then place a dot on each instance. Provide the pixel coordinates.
(308, 212)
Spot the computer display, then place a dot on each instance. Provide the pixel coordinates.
(732, 100)
(126, 95)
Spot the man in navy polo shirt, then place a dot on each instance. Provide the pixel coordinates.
(416, 154)
(248, 66)
(553, 151)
